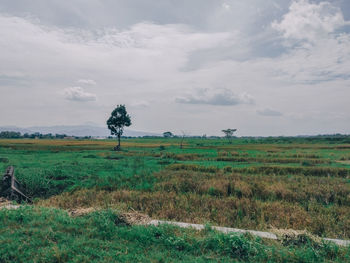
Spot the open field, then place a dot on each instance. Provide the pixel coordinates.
(250, 184)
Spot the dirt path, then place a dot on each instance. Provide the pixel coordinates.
(228, 230)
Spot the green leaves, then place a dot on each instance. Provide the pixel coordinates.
(118, 119)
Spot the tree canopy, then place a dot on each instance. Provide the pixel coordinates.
(168, 134)
(229, 134)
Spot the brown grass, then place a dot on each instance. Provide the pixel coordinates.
(135, 218)
(273, 160)
(67, 142)
(246, 213)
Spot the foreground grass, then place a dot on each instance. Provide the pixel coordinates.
(33, 234)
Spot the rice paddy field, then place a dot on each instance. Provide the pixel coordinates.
(257, 184)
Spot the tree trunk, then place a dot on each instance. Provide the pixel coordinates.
(117, 148)
(182, 140)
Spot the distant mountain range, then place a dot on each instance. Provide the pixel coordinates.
(75, 130)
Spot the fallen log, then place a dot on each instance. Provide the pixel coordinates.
(10, 187)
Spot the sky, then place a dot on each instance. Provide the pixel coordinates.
(264, 67)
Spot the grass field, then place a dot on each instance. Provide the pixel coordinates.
(250, 184)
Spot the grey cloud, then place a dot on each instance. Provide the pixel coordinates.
(78, 94)
(121, 13)
(113, 13)
(140, 104)
(6, 80)
(269, 112)
(145, 51)
(223, 97)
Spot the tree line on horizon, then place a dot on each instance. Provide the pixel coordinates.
(327, 138)
(36, 135)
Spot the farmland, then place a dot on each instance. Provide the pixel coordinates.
(259, 184)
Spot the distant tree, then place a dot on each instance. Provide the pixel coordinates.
(229, 134)
(182, 139)
(119, 118)
(10, 135)
(168, 134)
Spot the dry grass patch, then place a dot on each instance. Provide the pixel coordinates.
(129, 218)
(296, 237)
(81, 211)
(73, 142)
(4, 202)
(135, 218)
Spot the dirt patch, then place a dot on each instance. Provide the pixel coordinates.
(131, 218)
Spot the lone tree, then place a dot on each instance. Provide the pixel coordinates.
(168, 134)
(229, 134)
(119, 118)
(182, 139)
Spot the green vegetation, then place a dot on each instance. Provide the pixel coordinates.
(300, 183)
(50, 235)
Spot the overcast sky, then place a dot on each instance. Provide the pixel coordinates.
(265, 67)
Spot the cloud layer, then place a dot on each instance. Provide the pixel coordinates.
(87, 81)
(217, 97)
(178, 63)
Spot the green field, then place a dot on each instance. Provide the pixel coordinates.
(250, 184)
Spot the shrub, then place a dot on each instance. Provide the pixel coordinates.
(214, 192)
(4, 160)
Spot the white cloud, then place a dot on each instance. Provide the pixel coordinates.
(87, 81)
(218, 97)
(317, 51)
(78, 94)
(269, 112)
(139, 104)
(226, 6)
(310, 21)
